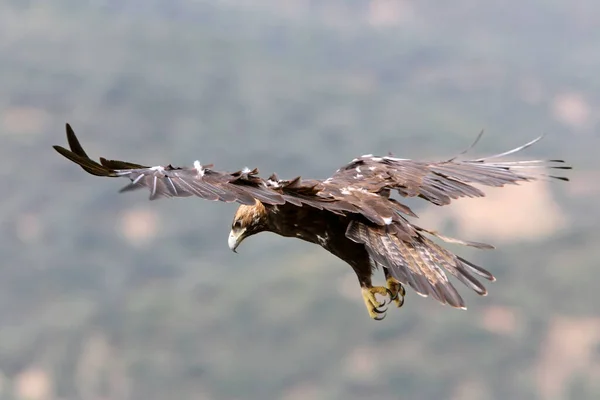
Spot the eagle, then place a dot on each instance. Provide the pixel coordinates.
(351, 214)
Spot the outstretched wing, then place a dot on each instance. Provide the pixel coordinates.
(419, 262)
(403, 248)
(441, 182)
(244, 187)
(168, 181)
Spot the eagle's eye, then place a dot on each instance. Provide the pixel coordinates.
(237, 224)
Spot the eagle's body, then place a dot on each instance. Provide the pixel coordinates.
(321, 228)
(351, 214)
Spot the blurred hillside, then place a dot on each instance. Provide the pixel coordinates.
(108, 296)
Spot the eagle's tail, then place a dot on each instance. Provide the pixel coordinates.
(421, 263)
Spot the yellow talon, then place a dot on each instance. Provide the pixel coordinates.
(373, 306)
(397, 290)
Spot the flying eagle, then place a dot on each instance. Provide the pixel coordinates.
(351, 214)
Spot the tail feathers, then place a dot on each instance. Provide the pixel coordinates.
(460, 268)
(476, 269)
(420, 263)
(478, 245)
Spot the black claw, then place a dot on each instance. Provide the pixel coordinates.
(390, 295)
(395, 297)
(378, 311)
(380, 318)
(389, 292)
(401, 302)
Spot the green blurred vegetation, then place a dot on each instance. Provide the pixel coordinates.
(107, 296)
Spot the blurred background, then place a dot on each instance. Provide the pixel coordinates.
(107, 296)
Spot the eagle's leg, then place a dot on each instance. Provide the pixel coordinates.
(373, 305)
(395, 287)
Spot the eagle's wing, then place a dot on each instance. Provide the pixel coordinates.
(419, 262)
(244, 187)
(402, 247)
(441, 182)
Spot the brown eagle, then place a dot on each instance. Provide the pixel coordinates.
(351, 214)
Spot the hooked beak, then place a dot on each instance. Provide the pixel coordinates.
(235, 238)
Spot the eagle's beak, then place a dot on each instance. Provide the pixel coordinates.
(235, 238)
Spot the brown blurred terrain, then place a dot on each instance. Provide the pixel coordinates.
(107, 296)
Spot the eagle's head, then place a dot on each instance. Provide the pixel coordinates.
(248, 221)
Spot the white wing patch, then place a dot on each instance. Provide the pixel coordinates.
(323, 239)
(394, 158)
(273, 183)
(199, 168)
(349, 189)
(388, 220)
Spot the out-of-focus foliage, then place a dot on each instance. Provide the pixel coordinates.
(107, 296)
